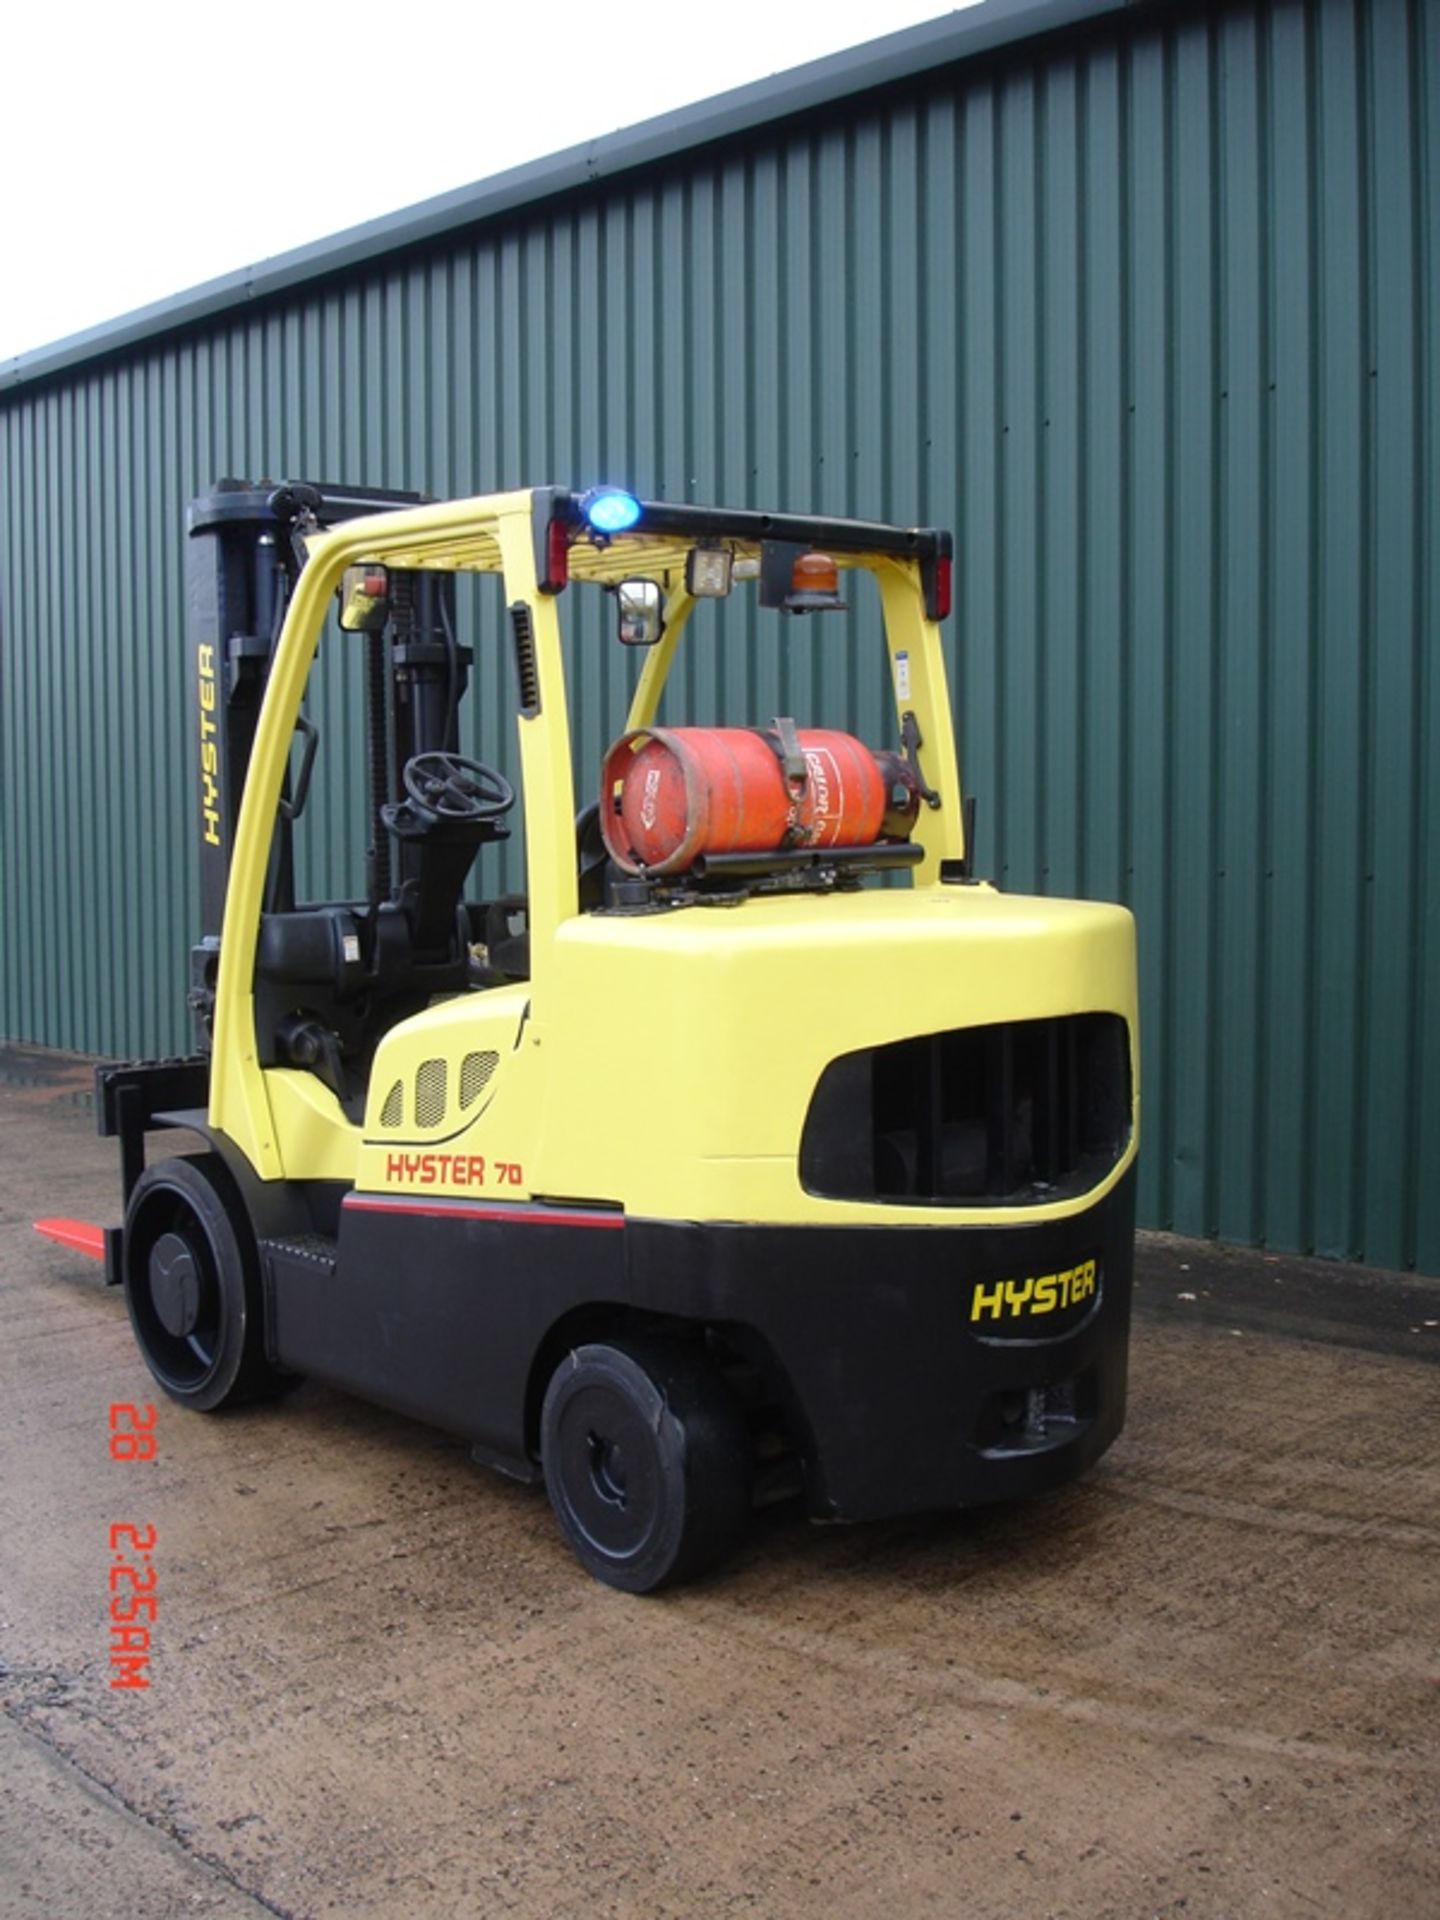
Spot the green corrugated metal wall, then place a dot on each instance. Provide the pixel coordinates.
(1147, 312)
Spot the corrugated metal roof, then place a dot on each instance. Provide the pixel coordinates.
(887, 62)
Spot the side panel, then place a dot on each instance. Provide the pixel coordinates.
(437, 1309)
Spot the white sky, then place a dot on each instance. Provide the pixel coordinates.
(148, 147)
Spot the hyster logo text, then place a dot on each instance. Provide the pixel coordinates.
(209, 749)
(1041, 1293)
(435, 1169)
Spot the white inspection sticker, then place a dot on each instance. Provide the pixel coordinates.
(902, 676)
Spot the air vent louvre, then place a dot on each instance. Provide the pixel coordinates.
(527, 667)
(393, 1111)
(475, 1072)
(430, 1094)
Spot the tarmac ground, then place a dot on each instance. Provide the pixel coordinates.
(1202, 1682)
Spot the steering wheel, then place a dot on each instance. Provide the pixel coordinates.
(455, 788)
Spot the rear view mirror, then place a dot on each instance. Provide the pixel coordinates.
(642, 612)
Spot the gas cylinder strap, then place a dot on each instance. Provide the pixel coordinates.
(786, 743)
(792, 760)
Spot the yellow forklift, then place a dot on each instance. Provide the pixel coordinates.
(756, 1146)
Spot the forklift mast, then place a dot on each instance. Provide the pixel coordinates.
(245, 551)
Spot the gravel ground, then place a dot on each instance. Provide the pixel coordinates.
(1203, 1682)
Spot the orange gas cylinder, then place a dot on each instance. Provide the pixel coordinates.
(671, 794)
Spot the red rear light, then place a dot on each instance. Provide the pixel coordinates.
(940, 591)
(557, 558)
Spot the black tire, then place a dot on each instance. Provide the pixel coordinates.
(192, 1285)
(647, 1461)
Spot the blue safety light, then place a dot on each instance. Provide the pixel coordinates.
(609, 509)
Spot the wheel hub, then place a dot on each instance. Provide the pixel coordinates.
(607, 1468)
(174, 1285)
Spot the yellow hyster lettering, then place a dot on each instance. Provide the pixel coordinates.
(989, 1300)
(1039, 1293)
(209, 758)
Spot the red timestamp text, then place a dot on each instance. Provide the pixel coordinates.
(132, 1431)
(134, 1602)
(133, 1581)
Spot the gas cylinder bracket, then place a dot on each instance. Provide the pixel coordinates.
(911, 741)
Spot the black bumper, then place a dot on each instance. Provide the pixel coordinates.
(919, 1367)
(918, 1370)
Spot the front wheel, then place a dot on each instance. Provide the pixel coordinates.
(192, 1285)
(647, 1462)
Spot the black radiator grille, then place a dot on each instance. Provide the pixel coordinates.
(1019, 1113)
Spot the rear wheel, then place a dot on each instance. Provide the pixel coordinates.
(647, 1462)
(192, 1285)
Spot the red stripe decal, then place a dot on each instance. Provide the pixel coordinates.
(516, 1215)
(78, 1234)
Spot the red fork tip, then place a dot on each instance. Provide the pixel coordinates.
(78, 1234)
